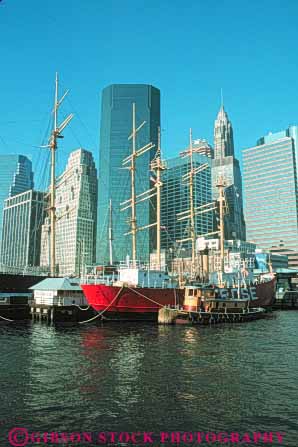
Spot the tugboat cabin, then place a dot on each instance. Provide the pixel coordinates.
(200, 299)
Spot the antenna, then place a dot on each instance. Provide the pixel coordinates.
(221, 98)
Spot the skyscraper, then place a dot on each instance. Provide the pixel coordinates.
(227, 166)
(16, 176)
(23, 215)
(114, 180)
(270, 185)
(76, 203)
(175, 199)
(223, 135)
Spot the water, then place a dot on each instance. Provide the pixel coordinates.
(145, 377)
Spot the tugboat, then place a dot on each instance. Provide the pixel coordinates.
(216, 305)
(206, 305)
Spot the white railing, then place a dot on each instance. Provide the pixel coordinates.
(34, 271)
(141, 265)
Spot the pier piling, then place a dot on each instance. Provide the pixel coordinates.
(167, 315)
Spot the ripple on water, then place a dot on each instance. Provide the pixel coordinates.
(146, 377)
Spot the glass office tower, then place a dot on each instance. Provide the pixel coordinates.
(16, 176)
(175, 199)
(114, 180)
(23, 215)
(270, 185)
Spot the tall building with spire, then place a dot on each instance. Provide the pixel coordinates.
(223, 135)
(225, 165)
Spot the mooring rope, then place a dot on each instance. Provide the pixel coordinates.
(81, 308)
(6, 319)
(147, 297)
(103, 311)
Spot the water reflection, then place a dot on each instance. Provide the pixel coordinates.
(152, 378)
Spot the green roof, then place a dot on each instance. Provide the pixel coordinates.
(58, 284)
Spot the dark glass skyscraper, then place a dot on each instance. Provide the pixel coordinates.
(114, 180)
(227, 166)
(175, 199)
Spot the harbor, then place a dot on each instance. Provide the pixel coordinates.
(229, 292)
(148, 224)
(151, 378)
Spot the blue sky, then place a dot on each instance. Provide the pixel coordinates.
(190, 50)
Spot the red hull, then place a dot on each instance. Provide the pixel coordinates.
(144, 303)
(130, 302)
(266, 294)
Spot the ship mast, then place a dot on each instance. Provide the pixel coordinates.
(221, 199)
(191, 201)
(133, 188)
(135, 199)
(110, 233)
(192, 211)
(158, 166)
(56, 133)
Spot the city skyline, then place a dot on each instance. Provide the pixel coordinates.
(189, 68)
(123, 94)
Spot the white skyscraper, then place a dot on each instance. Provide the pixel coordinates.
(76, 205)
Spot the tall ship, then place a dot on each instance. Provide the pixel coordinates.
(44, 295)
(140, 291)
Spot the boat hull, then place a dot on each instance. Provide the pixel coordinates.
(141, 303)
(207, 318)
(14, 312)
(135, 303)
(265, 293)
(61, 314)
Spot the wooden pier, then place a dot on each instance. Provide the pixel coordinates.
(289, 301)
(60, 314)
